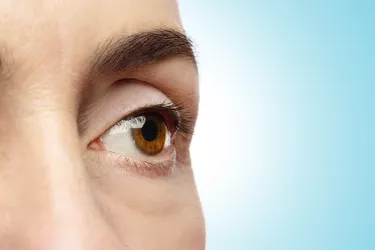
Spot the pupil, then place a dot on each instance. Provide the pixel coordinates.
(149, 130)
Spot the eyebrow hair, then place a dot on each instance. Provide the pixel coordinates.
(141, 49)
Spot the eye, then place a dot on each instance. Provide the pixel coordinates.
(144, 141)
(146, 134)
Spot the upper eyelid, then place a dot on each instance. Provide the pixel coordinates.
(131, 98)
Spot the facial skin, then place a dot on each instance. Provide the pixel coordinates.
(69, 71)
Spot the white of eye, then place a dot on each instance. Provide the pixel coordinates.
(124, 126)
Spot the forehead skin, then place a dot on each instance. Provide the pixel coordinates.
(45, 48)
(54, 33)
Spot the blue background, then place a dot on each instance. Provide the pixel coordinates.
(284, 152)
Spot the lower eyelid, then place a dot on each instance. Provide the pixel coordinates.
(150, 168)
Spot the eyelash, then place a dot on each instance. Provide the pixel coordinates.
(177, 117)
(147, 168)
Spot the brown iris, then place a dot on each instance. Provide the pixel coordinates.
(150, 139)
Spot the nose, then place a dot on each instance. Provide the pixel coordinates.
(46, 201)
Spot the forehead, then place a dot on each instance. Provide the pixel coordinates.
(61, 34)
(94, 16)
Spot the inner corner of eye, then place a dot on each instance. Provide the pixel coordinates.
(97, 145)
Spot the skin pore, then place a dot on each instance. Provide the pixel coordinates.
(78, 80)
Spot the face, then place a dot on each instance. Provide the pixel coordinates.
(98, 100)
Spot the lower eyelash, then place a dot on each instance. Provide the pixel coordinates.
(151, 169)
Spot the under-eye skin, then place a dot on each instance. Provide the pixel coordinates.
(145, 139)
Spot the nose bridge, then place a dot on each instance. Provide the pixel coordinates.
(62, 167)
(47, 202)
(59, 154)
(52, 144)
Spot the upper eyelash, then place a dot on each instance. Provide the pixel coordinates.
(179, 112)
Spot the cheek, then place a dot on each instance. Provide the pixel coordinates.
(150, 213)
(181, 229)
(188, 230)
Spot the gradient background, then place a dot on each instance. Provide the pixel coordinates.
(284, 148)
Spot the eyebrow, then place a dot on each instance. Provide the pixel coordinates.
(141, 49)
